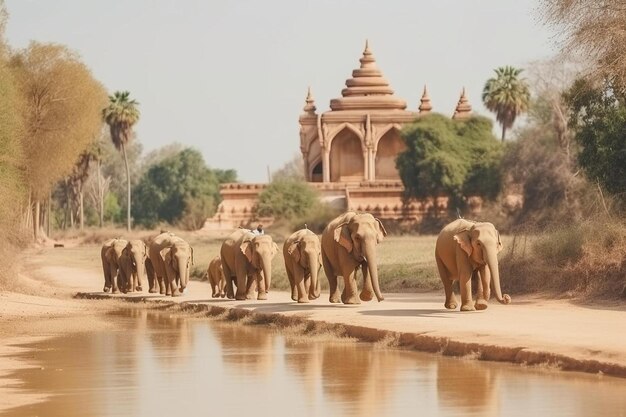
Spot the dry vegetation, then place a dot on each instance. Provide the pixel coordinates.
(585, 260)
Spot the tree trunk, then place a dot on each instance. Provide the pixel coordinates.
(37, 210)
(503, 131)
(49, 212)
(128, 187)
(82, 211)
(100, 195)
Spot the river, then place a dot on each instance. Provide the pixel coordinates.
(156, 364)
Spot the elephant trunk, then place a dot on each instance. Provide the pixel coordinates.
(183, 270)
(492, 262)
(369, 251)
(267, 271)
(314, 290)
(140, 264)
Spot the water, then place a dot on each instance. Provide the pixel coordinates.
(156, 365)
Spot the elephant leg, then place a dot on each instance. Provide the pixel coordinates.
(260, 283)
(292, 281)
(228, 281)
(349, 295)
(450, 302)
(152, 281)
(220, 285)
(163, 287)
(465, 281)
(251, 284)
(114, 277)
(483, 291)
(214, 292)
(241, 273)
(171, 276)
(106, 268)
(303, 295)
(332, 280)
(368, 291)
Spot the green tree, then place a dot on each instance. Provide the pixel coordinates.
(121, 115)
(599, 120)
(287, 199)
(507, 96)
(451, 158)
(178, 189)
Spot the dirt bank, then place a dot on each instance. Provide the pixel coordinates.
(533, 331)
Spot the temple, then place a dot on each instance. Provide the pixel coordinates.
(349, 152)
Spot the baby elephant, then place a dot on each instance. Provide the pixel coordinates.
(462, 249)
(215, 274)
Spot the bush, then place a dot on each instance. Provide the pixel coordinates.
(582, 260)
(287, 199)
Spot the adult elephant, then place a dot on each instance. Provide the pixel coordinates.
(110, 254)
(303, 260)
(246, 256)
(133, 265)
(464, 247)
(165, 273)
(178, 259)
(349, 242)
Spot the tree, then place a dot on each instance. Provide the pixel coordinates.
(593, 30)
(121, 115)
(452, 158)
(599, 120)
(12, 195)
(61, 103)
(507, 96)
(287, 199)
(178, 189)
(293, 169)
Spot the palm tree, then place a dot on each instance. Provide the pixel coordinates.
(507, 96)
(121, 114)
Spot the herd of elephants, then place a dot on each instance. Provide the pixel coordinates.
(348, 243)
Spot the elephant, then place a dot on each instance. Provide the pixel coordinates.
(246, 255)
(178, 261)
(215, 275)
(133, 265)
(349, 242)
(303, 260)
(169, 257)
(463, 248)
(111, 253)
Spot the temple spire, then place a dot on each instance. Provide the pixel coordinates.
(463, 107)
(309, 107)
(425, 106)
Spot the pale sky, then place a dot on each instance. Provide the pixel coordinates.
(230, 77)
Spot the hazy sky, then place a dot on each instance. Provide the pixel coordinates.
(230, 77)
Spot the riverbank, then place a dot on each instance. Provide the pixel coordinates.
(558, 334)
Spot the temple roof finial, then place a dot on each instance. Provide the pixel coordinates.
(425, 105)
(309, 107)
(463, 107)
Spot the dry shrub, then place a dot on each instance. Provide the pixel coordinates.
(581, 260)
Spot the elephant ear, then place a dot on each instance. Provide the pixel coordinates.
(463, 239)
(381, 231)
(342, 236)
(246, 249)
(294, 251)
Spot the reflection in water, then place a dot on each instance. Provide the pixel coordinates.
(159, 365)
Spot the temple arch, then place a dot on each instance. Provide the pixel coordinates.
(346, 157)
(389, 146)
(317, 172)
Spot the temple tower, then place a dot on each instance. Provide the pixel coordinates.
(358, 139)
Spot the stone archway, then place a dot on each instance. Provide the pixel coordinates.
(389, 146)
(317, 173)
(346, 157)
